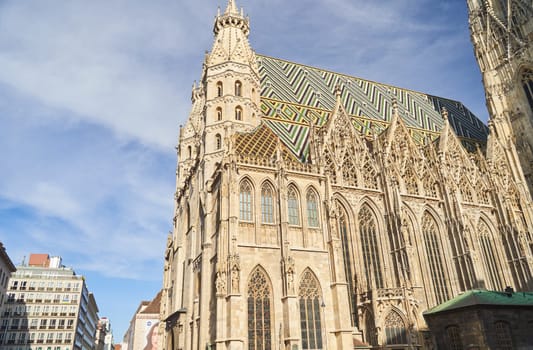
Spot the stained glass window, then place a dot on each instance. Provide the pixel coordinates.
(347, 254)
(369, 245)
(259, 312)
(395, 329)
(434, 257)
(490, 260)
(312, 209)
(310, 314)
(245, 201)
(293, 206)
(267, 204)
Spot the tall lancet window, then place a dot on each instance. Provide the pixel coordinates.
(312, 208)
(238, 88)
(259, 312)
(527, 84)
(267, 204)
(347, 252)
(369, 245)
(434, 255)
(310, 313)
(293, 206)
(395, 332)
(220, 89)
(218, 141)
(238, 113)
(490, 259)
(245, 201)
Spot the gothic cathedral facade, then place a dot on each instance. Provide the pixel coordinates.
(315, 210)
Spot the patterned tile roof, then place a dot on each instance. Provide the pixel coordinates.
(293, 95)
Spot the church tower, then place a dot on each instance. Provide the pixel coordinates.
(502, 34)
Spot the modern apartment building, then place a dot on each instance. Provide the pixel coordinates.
(48, 307)
(6, 268)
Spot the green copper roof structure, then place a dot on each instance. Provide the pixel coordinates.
(484, 297)
(294, 95)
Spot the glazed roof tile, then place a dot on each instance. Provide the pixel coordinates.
(293, 95)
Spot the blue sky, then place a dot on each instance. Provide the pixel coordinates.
(92, 94)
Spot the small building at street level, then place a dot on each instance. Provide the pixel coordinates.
(482, 319)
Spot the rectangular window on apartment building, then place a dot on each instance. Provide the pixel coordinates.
(61, 324)
(34, 323)
(70, 324)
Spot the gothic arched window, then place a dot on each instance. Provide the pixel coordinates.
(293, 206)
(312, 208)
(348, 258)
(238, 113)
(527, 84)
(490, 260)
(238, 88)
(218, 141)
(245, 201)
(395, 332)
(434, 255)
(220, 89)
(454, 338)
(219, 113)
(369, 245)
(267, 204)
(371, 335)
(259, 312)
(310, 313)
(502, 331)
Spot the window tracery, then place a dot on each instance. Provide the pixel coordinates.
(348, 259)
(434, 257)
(310, 313)
(267, 204)
(430, 186)
(410, 181)
(395, 332)
(349, 171)
(461, 257)
(259, 312)
(490, 259)
(466, 191)
(312, 208)
(245, 201)
(293, 206)
(369, 246)
(370, 176)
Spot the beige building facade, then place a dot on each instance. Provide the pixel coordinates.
(6, 269)
(316, 210)
(144, 330)
(48, 308)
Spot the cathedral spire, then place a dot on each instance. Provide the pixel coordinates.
(231, 8)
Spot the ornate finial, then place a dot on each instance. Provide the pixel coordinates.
(394, 107)
(232, 8)
(444, 113)
(337, 91)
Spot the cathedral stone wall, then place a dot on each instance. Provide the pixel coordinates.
(318, 232)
